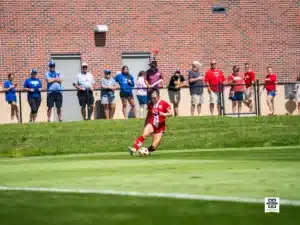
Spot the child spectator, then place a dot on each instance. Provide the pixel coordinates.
(142, 93)
(10, 95)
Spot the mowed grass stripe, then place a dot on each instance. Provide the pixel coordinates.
(114, 136)
(142, 194)
(158, 152)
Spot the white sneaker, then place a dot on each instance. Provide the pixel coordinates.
(132, 151)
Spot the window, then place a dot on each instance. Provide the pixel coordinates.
(219, 9)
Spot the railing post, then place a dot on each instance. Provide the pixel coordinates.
(220, 87)
(20, 107)
(258, 110)
(223, 101)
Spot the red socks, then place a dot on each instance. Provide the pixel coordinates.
(139, 142)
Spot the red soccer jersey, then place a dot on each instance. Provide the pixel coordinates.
(270, 82)
(237, 81)
(154, 111)
(249, 78)
(214, 78)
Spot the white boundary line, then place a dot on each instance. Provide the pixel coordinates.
(141, 194)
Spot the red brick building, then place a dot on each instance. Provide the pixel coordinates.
(262, 32)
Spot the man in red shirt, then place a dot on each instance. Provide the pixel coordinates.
(155, 122)
(249, 77)
(237, 81)
(270, 86)
(214, 78)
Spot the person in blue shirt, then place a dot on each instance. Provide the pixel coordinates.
(54, 95)
(33, 86)
(108, 87)
(126, 83)
(10, 96)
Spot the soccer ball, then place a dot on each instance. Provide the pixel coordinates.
(144, 151)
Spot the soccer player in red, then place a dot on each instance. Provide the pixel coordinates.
(249, 77)
(214, 78)
(155, 123)
(236, 79)
(270, 86)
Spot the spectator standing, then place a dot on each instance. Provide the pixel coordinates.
(196, 84)
(84, 83)
(153, 78)
(237, 89)
(126, 83)
(33, 86)
(176, 82)
(108, 87)
(270, 86)
(54, 96)
(214, 78)
(297, 92)
(9, 87)
(249, 78)
(141, 93)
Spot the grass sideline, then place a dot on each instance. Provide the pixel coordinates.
(114, 136)
(254, 173)
(80, 209)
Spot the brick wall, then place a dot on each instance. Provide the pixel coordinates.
(262, 32)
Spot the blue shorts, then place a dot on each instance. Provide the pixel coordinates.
(11, 99)
(126, 95)
(271, 93)
(238, 96)
(107, 99)
(143, 99)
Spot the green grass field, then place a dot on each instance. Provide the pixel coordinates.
(210, 157)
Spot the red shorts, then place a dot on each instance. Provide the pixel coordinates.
(158, 130)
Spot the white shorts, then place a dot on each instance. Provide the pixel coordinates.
(214, 98)
(197, 99)
(248, 93)
(298, 97)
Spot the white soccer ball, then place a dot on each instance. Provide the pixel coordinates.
(144, 151)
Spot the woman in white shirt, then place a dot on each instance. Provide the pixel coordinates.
(142, 94)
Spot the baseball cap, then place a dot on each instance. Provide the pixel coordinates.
(51, 64)
(84, 64)
(197, 64)
(154, 62)
(33, 71)
(107, 71)
(177, 71)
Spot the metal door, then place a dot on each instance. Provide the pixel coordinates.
(136, 62)
(69, 67)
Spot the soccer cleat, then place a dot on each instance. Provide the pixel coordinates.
(131, 151)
